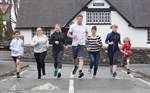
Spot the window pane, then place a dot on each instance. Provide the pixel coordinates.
(98, 17)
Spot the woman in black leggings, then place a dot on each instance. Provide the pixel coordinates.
(40, 43)
(58, 41)
(113, 39)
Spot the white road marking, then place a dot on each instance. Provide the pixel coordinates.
(47, 86)
(71, 83)
(14, 87)
(23, 72)
(71, 86)
(3, 80)
(13, 76)
(129, 74)
(144, 81)
(137, 78)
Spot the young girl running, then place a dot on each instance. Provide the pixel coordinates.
(126, 53)
(17, 51)
(93, 47)
(58, 41)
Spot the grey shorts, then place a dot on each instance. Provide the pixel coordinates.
(78, 51)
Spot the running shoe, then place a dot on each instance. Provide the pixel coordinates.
(55, 73)
(89, 71)
(94, 76)
(59, 75)
(128, 71)
(81, 74)
(75, 70)
(18, 75)
(111, 71)
(114, 74)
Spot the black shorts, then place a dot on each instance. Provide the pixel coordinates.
(16, 57)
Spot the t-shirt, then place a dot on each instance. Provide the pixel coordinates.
(91, 43)
(40, 43)
(127, 49)
(79, 31)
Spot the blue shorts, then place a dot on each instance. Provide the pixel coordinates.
(78, 51)
(16, 57)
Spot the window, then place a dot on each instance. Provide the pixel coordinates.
(98, 17)
(98, 4)
(47, 32)
(148, 36)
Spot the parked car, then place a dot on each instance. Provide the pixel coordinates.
(1, 45)
(5, 44)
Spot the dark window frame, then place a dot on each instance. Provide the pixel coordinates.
(148, 36)
(97, 12)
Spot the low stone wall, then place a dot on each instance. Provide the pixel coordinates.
(139, 56)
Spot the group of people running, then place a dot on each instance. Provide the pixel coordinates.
(81, 42)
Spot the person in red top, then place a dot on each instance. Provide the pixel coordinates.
(126, 53)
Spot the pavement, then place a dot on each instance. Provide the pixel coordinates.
(7, 66)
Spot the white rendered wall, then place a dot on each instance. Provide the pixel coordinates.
(138, 36)
(27, 33)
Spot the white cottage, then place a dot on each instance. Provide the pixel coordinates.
(132, 17)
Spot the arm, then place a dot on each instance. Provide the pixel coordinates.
(47, 42)
(122, 49)
(107, 39)
(51, 40)
(64, 40)
(12, 46)
(120, 40)
(100, 42)
(86, 35)
(70, 31)
(34, 41)
(69, 34)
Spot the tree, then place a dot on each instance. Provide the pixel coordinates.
(1, 26)
(8, 26)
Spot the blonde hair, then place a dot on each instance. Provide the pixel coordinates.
(114, 25)
(58, 26)
(127, 39)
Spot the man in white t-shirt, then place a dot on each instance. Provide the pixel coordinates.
(78, 32)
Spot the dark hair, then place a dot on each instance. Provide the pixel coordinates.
(17, 31)
(80, 16)
(94, 28)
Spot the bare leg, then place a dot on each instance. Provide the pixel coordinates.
(18, 65)
(81, 62)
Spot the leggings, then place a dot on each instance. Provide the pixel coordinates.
(58, 59)
(113, 57)
(39, 57)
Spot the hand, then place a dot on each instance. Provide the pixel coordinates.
(56, 42)
(28, 45)
(125, 53)
(75, 36)
(111, 43)
(88, 49)
(97, 43)
(66, 47)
